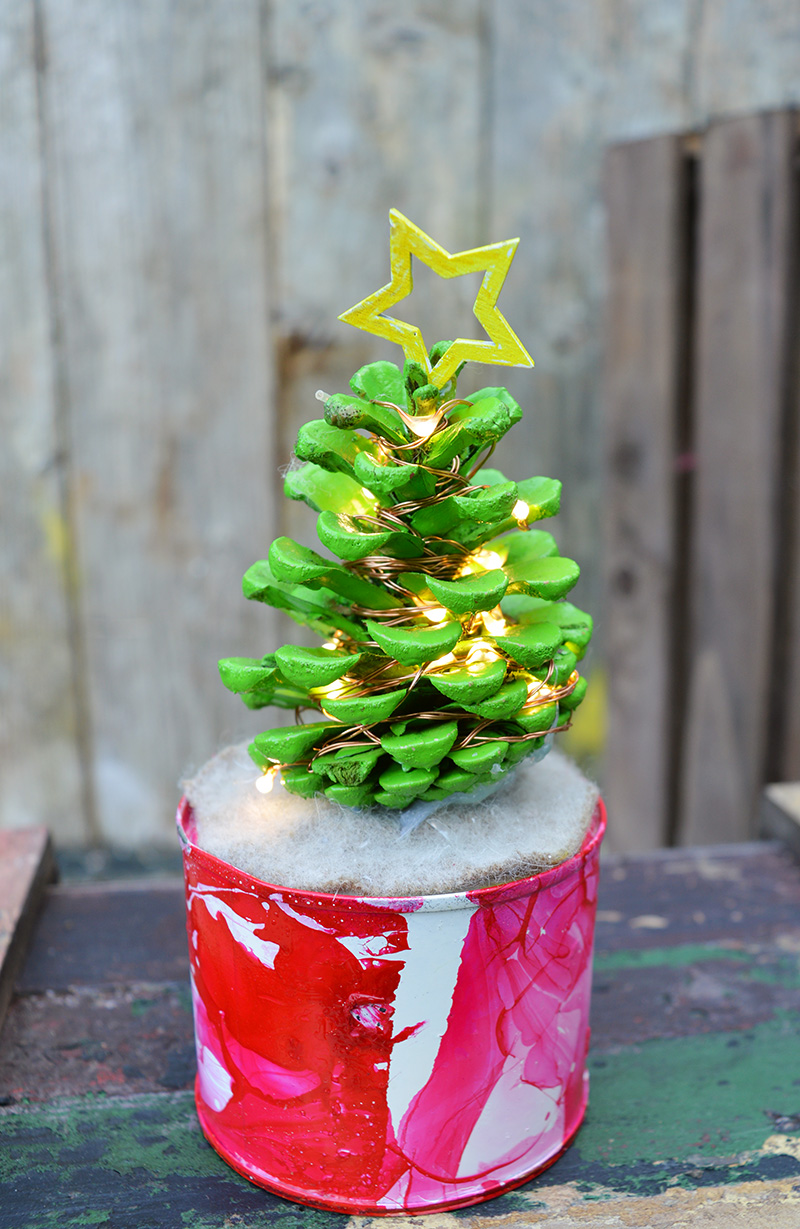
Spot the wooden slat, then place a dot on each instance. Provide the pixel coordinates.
(545, 149)
(788, 761)
(26, 866)
(40, 770)
(118, 1040)
(678, 898)
(108, 935)
(353, 96)
(153, 119)
(745, 235)
(646, 202)
(784, 762)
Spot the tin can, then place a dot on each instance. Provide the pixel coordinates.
(386, 1056)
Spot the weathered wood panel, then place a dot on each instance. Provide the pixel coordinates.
(788, 766)
(154, 125)
(110, 935)
(371, 106)
(479, 120)
(745, 239)
(40, 762)
(646, 198)
(544, 186)
(26, 865)
(783, 756)
(623, 63)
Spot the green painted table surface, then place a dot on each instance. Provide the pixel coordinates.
(694, 1117)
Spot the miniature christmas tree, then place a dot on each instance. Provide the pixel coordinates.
(449, 654)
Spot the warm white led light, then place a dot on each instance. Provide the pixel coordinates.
(331, 691)
(481, 561)
(481, 652)
(424, 427)
(447, 659)
(540, 693)
(495, 622)
(520, 511)
(265, 782)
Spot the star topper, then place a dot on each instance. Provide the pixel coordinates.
(407, 240)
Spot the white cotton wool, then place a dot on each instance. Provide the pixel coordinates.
(535, 820)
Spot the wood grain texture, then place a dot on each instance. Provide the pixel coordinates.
(117, 1041)
(108, 935)
(26, 866)
(624, 63)
(371, 107)
(745, 237)
(679, 898)
(40, 762)
(137, 342)
(155, 130)
(646, 202)
(784, 761)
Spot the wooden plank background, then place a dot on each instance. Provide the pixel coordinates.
(702, 527)
(190, 194)
(646, 192)
(746, 235)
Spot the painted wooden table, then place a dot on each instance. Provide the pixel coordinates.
(694, 1117)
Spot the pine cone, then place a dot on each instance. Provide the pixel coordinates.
(449, 651)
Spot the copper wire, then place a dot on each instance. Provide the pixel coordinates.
(385, 569)
(481, 462)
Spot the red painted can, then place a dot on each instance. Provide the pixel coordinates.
(387, 1056)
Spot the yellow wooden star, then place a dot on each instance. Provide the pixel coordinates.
(407, 240)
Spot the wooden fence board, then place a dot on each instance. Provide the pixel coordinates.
(109, 934)
(784, 755)
(40, 763)
(352, 93)
(26, 866)
(789, 750)
(745, 236)
(646, 199)
(154, 120)
(544, 185)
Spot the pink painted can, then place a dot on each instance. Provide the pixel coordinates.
(388, 1056)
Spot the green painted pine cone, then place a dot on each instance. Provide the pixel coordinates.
(449, 649)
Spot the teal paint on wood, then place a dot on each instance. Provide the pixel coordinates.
(134, 1161)
(157, 1132)
(143, 1160)
(671, 957)
(707, 1096)
(673, 1098)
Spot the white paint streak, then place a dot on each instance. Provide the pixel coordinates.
(516, 1118)
(424, 996)
(367, 948)
(242, 930)
(216, 1086)
(303, 918)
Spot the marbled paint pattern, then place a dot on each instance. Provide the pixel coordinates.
(388, 1056)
